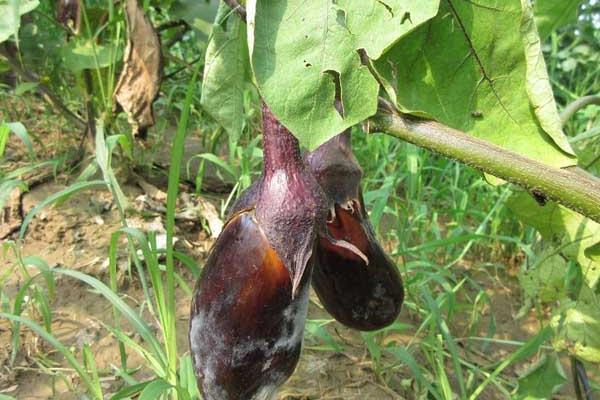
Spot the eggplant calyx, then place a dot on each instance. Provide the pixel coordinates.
(291, 207)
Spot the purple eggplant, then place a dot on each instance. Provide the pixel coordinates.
(360, 295)
(249, 305)
(356, 281)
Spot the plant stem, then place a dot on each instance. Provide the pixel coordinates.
(237, 7)
(580, 380)
(576, 384)
(172, 192)
(171, 24)
(90, 131)
(281, 148)
(571, 187)
(185, 66)
(577, 105)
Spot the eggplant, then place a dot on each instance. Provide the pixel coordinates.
(361, 294)
(250, 302)
(355, 280)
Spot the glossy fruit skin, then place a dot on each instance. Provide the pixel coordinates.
(246, 329)
(361, 296)
(250, 303)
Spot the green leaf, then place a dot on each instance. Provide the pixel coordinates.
(67, 354)
(543, 380)
(467, 68)
(19, 129)
(226, 72)
(198, 14)
(210, 157)
(10, 16)
(316, 328)
(525, 351)
(103, 158)
(579, 326)
(87, 55)
(576, 234)
(25, 87)
(302, 49)
(130, 390)
(407, 359)
(138, 324)
(552, 14)
(155, 389)
(538, 83)
(4, 134)
(187, 377)
(545, 279)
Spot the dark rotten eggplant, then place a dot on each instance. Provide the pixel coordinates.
(249, 305)
(360, 295)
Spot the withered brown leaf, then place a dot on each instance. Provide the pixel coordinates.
(142, 70)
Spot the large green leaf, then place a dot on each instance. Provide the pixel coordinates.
(476, 67)
(538, 83)
(302, 49)
(576, 235)
(10, 16)
(86, 55)
(552, 14)
(541, 381)
(578, 327)
(198, 14)
(226, 72)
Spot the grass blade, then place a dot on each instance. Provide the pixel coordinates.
(140, 326)
(58, 196)
(85, 377)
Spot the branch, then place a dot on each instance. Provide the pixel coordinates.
(185, 66)
(571, 187)
(580, 380)
(171, 24)
(237, 7)
(47, 93)
(577, 105)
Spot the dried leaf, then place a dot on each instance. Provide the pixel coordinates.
(142, 70)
